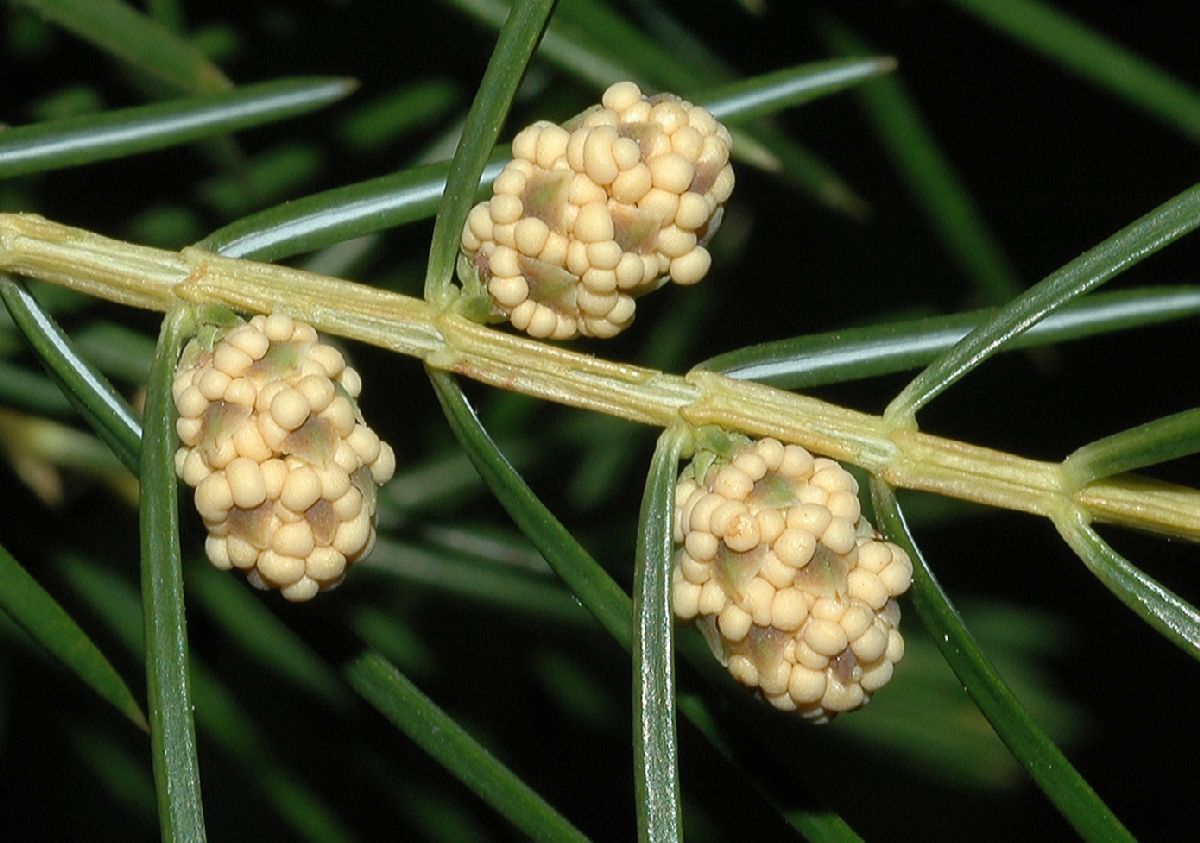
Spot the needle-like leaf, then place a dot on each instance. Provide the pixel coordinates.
(91, 393)
(1061, 783)
(1151, 443)
(518, 38)
(1103, 62)
(881, 349)
(655, 746)
(40, 615)
(400, 701)
(1132, 244)
(168, 683)
(1167, 612)
(127, 34)
(70, 142)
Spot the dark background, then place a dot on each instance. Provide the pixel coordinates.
(1054, 164)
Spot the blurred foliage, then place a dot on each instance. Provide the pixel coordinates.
(1048, 161)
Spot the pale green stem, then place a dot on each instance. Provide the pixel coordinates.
(155, 279)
